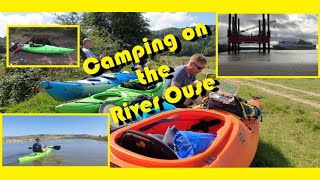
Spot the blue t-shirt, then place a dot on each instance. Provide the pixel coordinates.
(179, 76)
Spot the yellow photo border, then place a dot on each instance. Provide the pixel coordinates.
(107, 115)
(248, 77)
(8, 65)
(222, 7)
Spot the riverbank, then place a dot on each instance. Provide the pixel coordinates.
(45, 137)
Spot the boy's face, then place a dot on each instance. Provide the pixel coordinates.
(197, 67)
(89, 44)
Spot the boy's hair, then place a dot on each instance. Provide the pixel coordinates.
(199, 58)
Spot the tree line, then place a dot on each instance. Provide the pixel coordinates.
(113, 32)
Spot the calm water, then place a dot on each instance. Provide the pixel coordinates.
(73, 152)
(277, 63)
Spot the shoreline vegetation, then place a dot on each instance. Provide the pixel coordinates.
(44, 137)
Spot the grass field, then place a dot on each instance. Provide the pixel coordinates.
(289, 132)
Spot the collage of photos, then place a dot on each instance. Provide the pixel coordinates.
(165, 90)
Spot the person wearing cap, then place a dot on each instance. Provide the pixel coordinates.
(37, 147)
(185, 75)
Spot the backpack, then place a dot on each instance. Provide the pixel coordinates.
(234, 105)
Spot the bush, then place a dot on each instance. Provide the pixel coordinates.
(18, 85)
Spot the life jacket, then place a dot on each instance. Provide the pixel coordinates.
(37, 147)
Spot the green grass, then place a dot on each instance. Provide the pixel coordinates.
(312, 85)
(289, 133)
(291, 92)
(40, 103)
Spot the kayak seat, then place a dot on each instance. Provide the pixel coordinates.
(146, 145)
(94, 79)
(139, 99)
(137, 86)
(158, 136)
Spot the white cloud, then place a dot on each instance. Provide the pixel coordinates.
(23, 18)
(160, 21)
(193, 24)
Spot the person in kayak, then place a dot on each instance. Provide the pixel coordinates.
(185, 75)
(37, 147)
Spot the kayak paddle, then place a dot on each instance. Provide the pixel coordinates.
(54, 147)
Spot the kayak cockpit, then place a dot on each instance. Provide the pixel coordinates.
(145, 143)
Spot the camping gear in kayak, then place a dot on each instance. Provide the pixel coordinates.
(234, 145)
(232, 104)
(40, 44)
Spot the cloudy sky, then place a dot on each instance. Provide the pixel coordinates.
(157, 20)
(287, 27)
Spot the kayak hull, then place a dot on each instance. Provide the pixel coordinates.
(116, 95)
(47, 49)
(235, 145)
(35, 156)
(70, 90)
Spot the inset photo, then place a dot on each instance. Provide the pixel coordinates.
(268, 45)
(33, 140)
(43, 46)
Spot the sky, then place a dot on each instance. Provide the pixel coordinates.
(33, 125)
(158, 20)
(287, 26)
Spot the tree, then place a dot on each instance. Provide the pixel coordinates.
(72, 18)
(126, 28)
(2, 45)
(68, 19)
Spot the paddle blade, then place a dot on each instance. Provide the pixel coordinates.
(56, 147)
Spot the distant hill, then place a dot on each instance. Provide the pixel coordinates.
(51, 137)
(2, 45)
(205, 45)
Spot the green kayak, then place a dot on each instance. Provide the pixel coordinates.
(116, 95)
(35, 155)
(42, 48)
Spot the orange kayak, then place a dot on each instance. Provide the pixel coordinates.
(235, 144)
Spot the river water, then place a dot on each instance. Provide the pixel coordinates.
(73, 152)
(277, 63)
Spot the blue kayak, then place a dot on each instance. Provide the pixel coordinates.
(71, 90)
